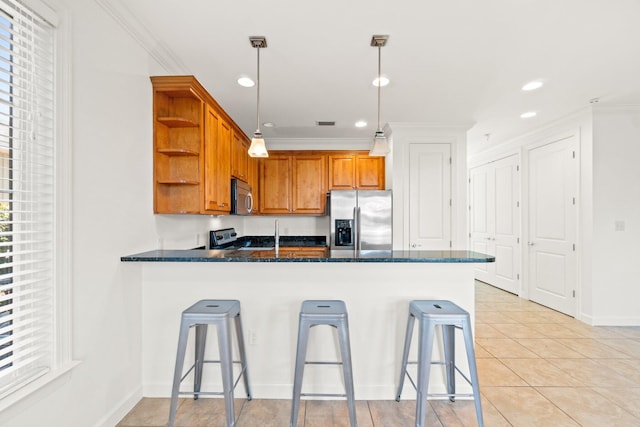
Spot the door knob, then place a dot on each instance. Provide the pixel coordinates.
(531, 243)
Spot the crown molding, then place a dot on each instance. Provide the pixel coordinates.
(141, 34)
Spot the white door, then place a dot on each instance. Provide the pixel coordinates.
(552, 171)
(430, 196)
(481, 219)
(506, 234)
(495, 221)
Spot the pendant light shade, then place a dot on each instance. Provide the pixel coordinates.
(258, 147)
(380, 146)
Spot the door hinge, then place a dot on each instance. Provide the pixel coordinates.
(574, 201)
(450, 202)
(469, 208)
(574, 293)
(517, 168)
(518, 276)
(450, 161)
(574, 154)
(517, 240)
(450, 244)
(469, 235)
(574, 247)
(517, 204)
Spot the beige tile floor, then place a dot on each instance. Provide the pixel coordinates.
(537, 368)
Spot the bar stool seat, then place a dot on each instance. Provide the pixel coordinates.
(201, 314)
(431, 313)
(323, 312)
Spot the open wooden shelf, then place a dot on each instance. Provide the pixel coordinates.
(177, 152)
(178, 122)
(178, 182)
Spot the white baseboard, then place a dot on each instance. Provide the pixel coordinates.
(612, 321)
(121, 409)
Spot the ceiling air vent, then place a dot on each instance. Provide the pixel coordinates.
(325, 123)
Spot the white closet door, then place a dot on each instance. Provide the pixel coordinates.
(495, 221)
(481, 224)
(430, 196)
(506, 233)
(552, 224)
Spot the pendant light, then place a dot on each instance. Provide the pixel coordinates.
(380, 145)
(258, 148)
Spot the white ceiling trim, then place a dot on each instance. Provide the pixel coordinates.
(157, 49)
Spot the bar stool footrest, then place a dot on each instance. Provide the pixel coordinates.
(322, 395)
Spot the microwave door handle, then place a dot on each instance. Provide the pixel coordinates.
(249, 202)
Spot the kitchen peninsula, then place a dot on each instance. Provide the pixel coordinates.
(376, 286)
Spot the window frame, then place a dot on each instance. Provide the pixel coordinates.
(60, 17)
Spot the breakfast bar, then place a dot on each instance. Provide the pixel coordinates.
(375, 285)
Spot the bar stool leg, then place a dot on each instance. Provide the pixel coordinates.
(473, 371)
(226, 366)
(177, 373)
(405, 354)
(347, 370)
(301, 355)
(201, 341)
(243, 357)
(448, 338)
(427, 330)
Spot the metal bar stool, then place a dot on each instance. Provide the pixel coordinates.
(332, 313)
(200, 315)
(450, 317)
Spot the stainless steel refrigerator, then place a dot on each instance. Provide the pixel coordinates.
(361, 219)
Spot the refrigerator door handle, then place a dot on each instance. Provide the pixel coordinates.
(356, 226)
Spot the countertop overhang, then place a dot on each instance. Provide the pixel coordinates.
(284, 255)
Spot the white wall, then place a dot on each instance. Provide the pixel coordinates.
(402, 135)
(616, 198)
(608, 272)
(112, 216)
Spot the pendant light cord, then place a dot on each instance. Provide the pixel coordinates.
(379, 82)
(258, 91)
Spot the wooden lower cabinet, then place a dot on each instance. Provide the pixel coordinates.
(293, 184)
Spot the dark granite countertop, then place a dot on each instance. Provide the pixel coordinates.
(308, 255)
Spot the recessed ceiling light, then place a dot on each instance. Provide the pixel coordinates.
(533, 85)
(245, 81)
(383, 81)
(269, 124)
(528, 114)
(361, 124)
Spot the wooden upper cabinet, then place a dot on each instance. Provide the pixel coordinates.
(309, 184)
(253, 178)
(293, 184)
(275, 184)
(217, 143)
(348, 171)
(369, 172)
(192, 139)
(177, 146)
(239, 156)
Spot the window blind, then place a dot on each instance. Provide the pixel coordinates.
(27, 196)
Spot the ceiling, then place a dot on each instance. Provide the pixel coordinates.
(451, 62)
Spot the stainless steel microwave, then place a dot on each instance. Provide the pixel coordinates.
(241, 198)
